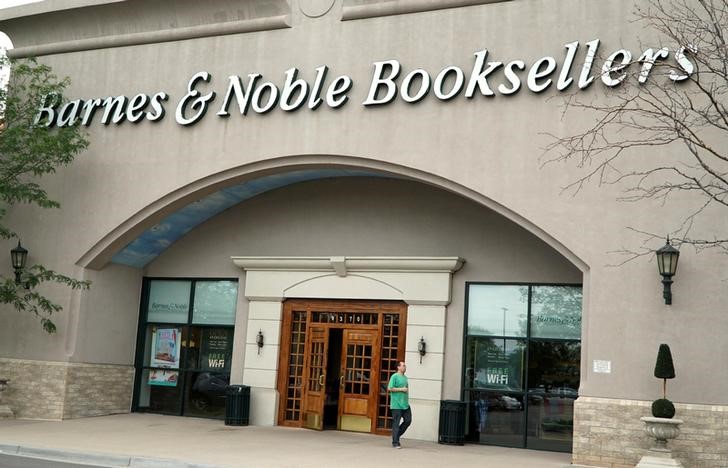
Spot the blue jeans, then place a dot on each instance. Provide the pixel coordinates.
(403, 415)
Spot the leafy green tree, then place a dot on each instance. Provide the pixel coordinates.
(28, 152)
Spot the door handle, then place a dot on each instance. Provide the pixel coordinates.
(341, 381)
(322, 379)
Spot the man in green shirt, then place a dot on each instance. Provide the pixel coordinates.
(399, 403)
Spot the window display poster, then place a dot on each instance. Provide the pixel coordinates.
(163, 377)
(495, 364)
(165, 347)
(216, 349)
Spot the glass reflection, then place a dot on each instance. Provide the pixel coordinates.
(556, 312)
(497, 310)
(215, 302)
(205, 395)
(496, 418)
(506, 325)
(553, 385)
(160, 391)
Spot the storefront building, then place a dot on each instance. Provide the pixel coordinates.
(296, 195)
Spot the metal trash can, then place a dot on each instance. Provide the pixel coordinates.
(237, 405)
(452, 422)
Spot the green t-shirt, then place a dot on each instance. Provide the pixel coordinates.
(398, 400)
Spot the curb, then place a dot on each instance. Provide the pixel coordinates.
(11, 449)
(102, 459)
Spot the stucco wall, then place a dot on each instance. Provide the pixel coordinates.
(490, 146)
(372, 217)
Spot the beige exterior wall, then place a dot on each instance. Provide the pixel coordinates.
(485, 151)
(372, 217)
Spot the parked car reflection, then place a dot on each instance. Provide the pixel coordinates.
(564, 392)
(498, 401)
(538, 394)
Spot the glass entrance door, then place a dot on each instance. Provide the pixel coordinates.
(335, 361)
(315, 378)
(522, 361)
(358, 396)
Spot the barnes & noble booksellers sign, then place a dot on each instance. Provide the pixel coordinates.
(254, 94)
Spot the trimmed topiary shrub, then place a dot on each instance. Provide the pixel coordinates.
(663, 408)
(664, 369)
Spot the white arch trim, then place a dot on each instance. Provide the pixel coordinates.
(101, 253)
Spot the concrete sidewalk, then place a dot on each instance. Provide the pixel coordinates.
(210, 442)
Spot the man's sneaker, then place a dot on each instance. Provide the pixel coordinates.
(398, 446)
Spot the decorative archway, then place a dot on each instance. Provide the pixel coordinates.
(353, 277)
(125, 233)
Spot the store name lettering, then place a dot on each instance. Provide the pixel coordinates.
(254, 94)
(545, 319)
(168, 307)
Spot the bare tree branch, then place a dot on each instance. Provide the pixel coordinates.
(635, 120)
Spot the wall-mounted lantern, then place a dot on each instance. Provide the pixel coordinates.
(667, 257)
(259, 340)
(422, 348)
(18, 257)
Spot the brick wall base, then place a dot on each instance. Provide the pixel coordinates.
(609, 433)
(65, 390)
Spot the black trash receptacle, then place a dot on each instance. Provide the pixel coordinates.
(452, 422)
(237, 405)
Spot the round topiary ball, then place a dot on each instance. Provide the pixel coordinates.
(663, 408)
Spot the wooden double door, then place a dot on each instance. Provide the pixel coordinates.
(336, 360)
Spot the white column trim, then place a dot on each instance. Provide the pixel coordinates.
(424, 283)
(345, 265)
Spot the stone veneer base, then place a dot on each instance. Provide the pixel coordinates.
(65, 390)
(608, 433)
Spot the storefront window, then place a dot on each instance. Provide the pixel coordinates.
(495, 363)
(497, 310)
(215, 302)
(556, 312)
(521, 373)
(169, 301)
(183, 369)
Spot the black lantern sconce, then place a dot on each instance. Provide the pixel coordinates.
(667, 257)
(259, 340)
(422, 348)
(18, 257)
